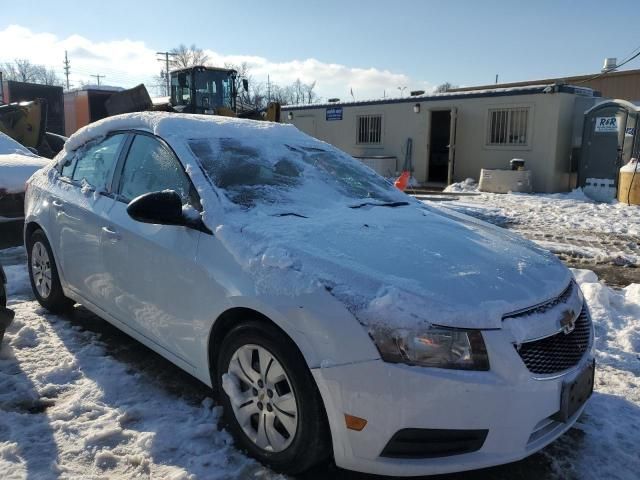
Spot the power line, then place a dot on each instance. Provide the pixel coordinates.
(610, 70)
(98, 76)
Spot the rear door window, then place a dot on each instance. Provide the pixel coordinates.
(152, 167)
(95, 164)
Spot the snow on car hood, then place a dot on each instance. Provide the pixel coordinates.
(15, 170)
(9, 146)
(399, 267)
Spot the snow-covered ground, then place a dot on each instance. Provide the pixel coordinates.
(69, 409)
(569, 224)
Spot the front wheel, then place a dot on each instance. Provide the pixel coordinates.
(271, 403)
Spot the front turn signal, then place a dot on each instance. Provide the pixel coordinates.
(354, 423)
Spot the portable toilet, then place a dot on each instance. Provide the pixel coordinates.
(609, 141)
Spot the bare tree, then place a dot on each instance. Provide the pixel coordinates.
(184, 56)
(47, 76)
(310, 94)
(242, 75)
(282, 95)
(444, 87)
(258, 96)
(22, 70)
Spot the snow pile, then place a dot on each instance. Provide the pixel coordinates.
(608, 447)
(468, 185)
(70, 410)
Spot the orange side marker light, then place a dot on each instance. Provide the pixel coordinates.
(354, 423)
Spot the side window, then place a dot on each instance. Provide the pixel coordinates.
(96, 163)
(152, 167)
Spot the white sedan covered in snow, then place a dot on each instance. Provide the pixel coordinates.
(17, 164)
(334, 315)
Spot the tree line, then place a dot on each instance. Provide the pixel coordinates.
(258, 95)
(22, 70)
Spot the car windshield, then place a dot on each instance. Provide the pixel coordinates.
(252, 174)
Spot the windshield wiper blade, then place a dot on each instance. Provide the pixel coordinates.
(288, 214)
(388, 204)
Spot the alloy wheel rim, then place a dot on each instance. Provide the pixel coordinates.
(262, 398)
(41, 269)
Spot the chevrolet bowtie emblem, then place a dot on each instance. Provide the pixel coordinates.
(568, 321)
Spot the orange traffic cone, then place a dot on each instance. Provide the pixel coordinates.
(403, 180)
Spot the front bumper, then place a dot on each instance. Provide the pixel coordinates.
(515, 408)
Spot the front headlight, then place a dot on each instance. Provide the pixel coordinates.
(434, 347)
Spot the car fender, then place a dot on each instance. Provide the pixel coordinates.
(326, 333)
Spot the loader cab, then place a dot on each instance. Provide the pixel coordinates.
(204, 90)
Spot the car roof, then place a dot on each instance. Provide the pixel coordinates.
(188, 126)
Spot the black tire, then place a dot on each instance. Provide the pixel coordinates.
(312, 441)
(3, 303)
(55, 301)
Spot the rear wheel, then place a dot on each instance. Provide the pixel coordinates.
(271, 403)
(45, 281)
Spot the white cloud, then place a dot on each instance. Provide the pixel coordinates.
(127, 62)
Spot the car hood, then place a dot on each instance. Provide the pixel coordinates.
(15, 170)
(400, 266)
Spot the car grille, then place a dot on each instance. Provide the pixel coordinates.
(558, 352)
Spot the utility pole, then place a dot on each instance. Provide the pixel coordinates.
(166, 70)
(268, 90)
(67, 68)
(98, 77)
(496, 78)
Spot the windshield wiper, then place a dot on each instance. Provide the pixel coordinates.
(288, 214)
(388, 204)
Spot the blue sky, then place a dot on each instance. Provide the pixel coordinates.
(419, 43)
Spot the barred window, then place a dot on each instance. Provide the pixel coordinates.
(508, 126)
(369, 129)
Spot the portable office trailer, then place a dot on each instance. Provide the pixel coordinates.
(455, 135)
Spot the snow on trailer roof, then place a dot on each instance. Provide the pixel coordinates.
(166, 124)
(490, 92)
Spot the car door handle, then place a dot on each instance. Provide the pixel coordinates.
(111, 234)
(57, 205)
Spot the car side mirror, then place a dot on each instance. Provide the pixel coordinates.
(163, 208)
